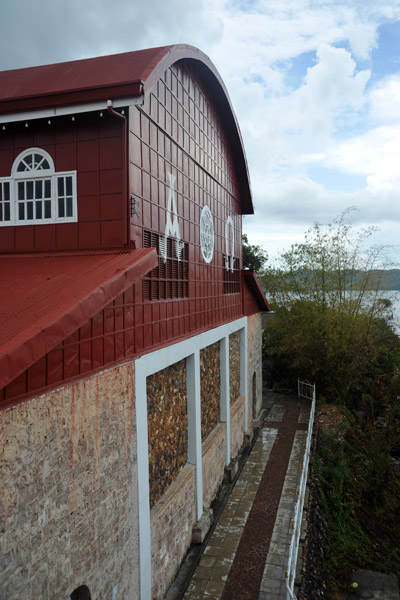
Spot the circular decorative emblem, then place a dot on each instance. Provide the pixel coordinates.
(206, 234)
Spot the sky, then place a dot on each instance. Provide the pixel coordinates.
(315, 85)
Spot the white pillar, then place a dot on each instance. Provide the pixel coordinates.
(143, 482)
(243, 373)
(157, 361)
(225, 404)
(195, 456)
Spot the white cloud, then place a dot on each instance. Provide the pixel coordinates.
(284, 132)
(288, 210)
(272, 31)
(384, 100)
(47, 31)
(375, 154)
(331, 87)
(292, 118)
(362, 36)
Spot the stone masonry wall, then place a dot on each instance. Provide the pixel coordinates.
(172, 520)
(254, 363)
(210, 389)
(167, 427)
(234, 365)
(69, 491)
(213, 451)
(237, 425)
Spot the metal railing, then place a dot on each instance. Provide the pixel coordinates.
(304, 390)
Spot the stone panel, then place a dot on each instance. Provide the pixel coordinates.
(254, 362)
(172, 520)
(167, 427)
(234, 365)
(210, 389)
(213, 451)
(68, 497)
(237, 425)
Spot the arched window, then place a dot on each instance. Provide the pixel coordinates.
(36, 194)
(81, 593)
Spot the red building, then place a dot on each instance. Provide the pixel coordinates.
(130, 337)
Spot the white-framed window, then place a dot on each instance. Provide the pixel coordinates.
(35, 194)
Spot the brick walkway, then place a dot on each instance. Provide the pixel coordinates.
(246, 555)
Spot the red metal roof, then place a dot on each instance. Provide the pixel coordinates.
(80, 75)
(44, 298)
(255, 287)
(114, 77)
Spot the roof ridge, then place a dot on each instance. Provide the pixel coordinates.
(87, 59)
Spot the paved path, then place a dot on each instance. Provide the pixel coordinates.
(246, 555)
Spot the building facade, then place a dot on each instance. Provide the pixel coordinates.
(130, 337)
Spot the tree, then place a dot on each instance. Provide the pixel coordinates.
(330, 325)
(254, 257)
(333, 327)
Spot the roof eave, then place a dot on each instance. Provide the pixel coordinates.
(40, 337)
(255, 286)
(15, 105)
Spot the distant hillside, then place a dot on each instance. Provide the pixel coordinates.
(390, 279)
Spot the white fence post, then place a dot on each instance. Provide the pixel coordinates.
(304, 390)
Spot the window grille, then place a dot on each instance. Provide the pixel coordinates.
(5, 209)
(171, 278)
(37, 194)
(232, 279)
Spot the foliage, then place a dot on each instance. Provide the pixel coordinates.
(333, 327)
(254, 257)
(361, 498)
(330, 323)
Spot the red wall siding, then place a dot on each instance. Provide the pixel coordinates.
(250, 304)
(179, 131)
(91, 145)
(105, 339)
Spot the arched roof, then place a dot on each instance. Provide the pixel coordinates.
(117, 76)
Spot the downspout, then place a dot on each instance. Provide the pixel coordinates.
(125, 169)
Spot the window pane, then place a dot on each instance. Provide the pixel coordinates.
(29, 207)
(25, 164)
(7, 191)
(1, 211)
(61, 186)
(47, 209)
(21, 194)
(47, 188)
(39, 212)
(69, 185)
(7, 215)
(61, 209)
(29, 190)
(21, 211)
(41, 162)
(1, 192)
(69, 207)
(38, 161)
(39, 189)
